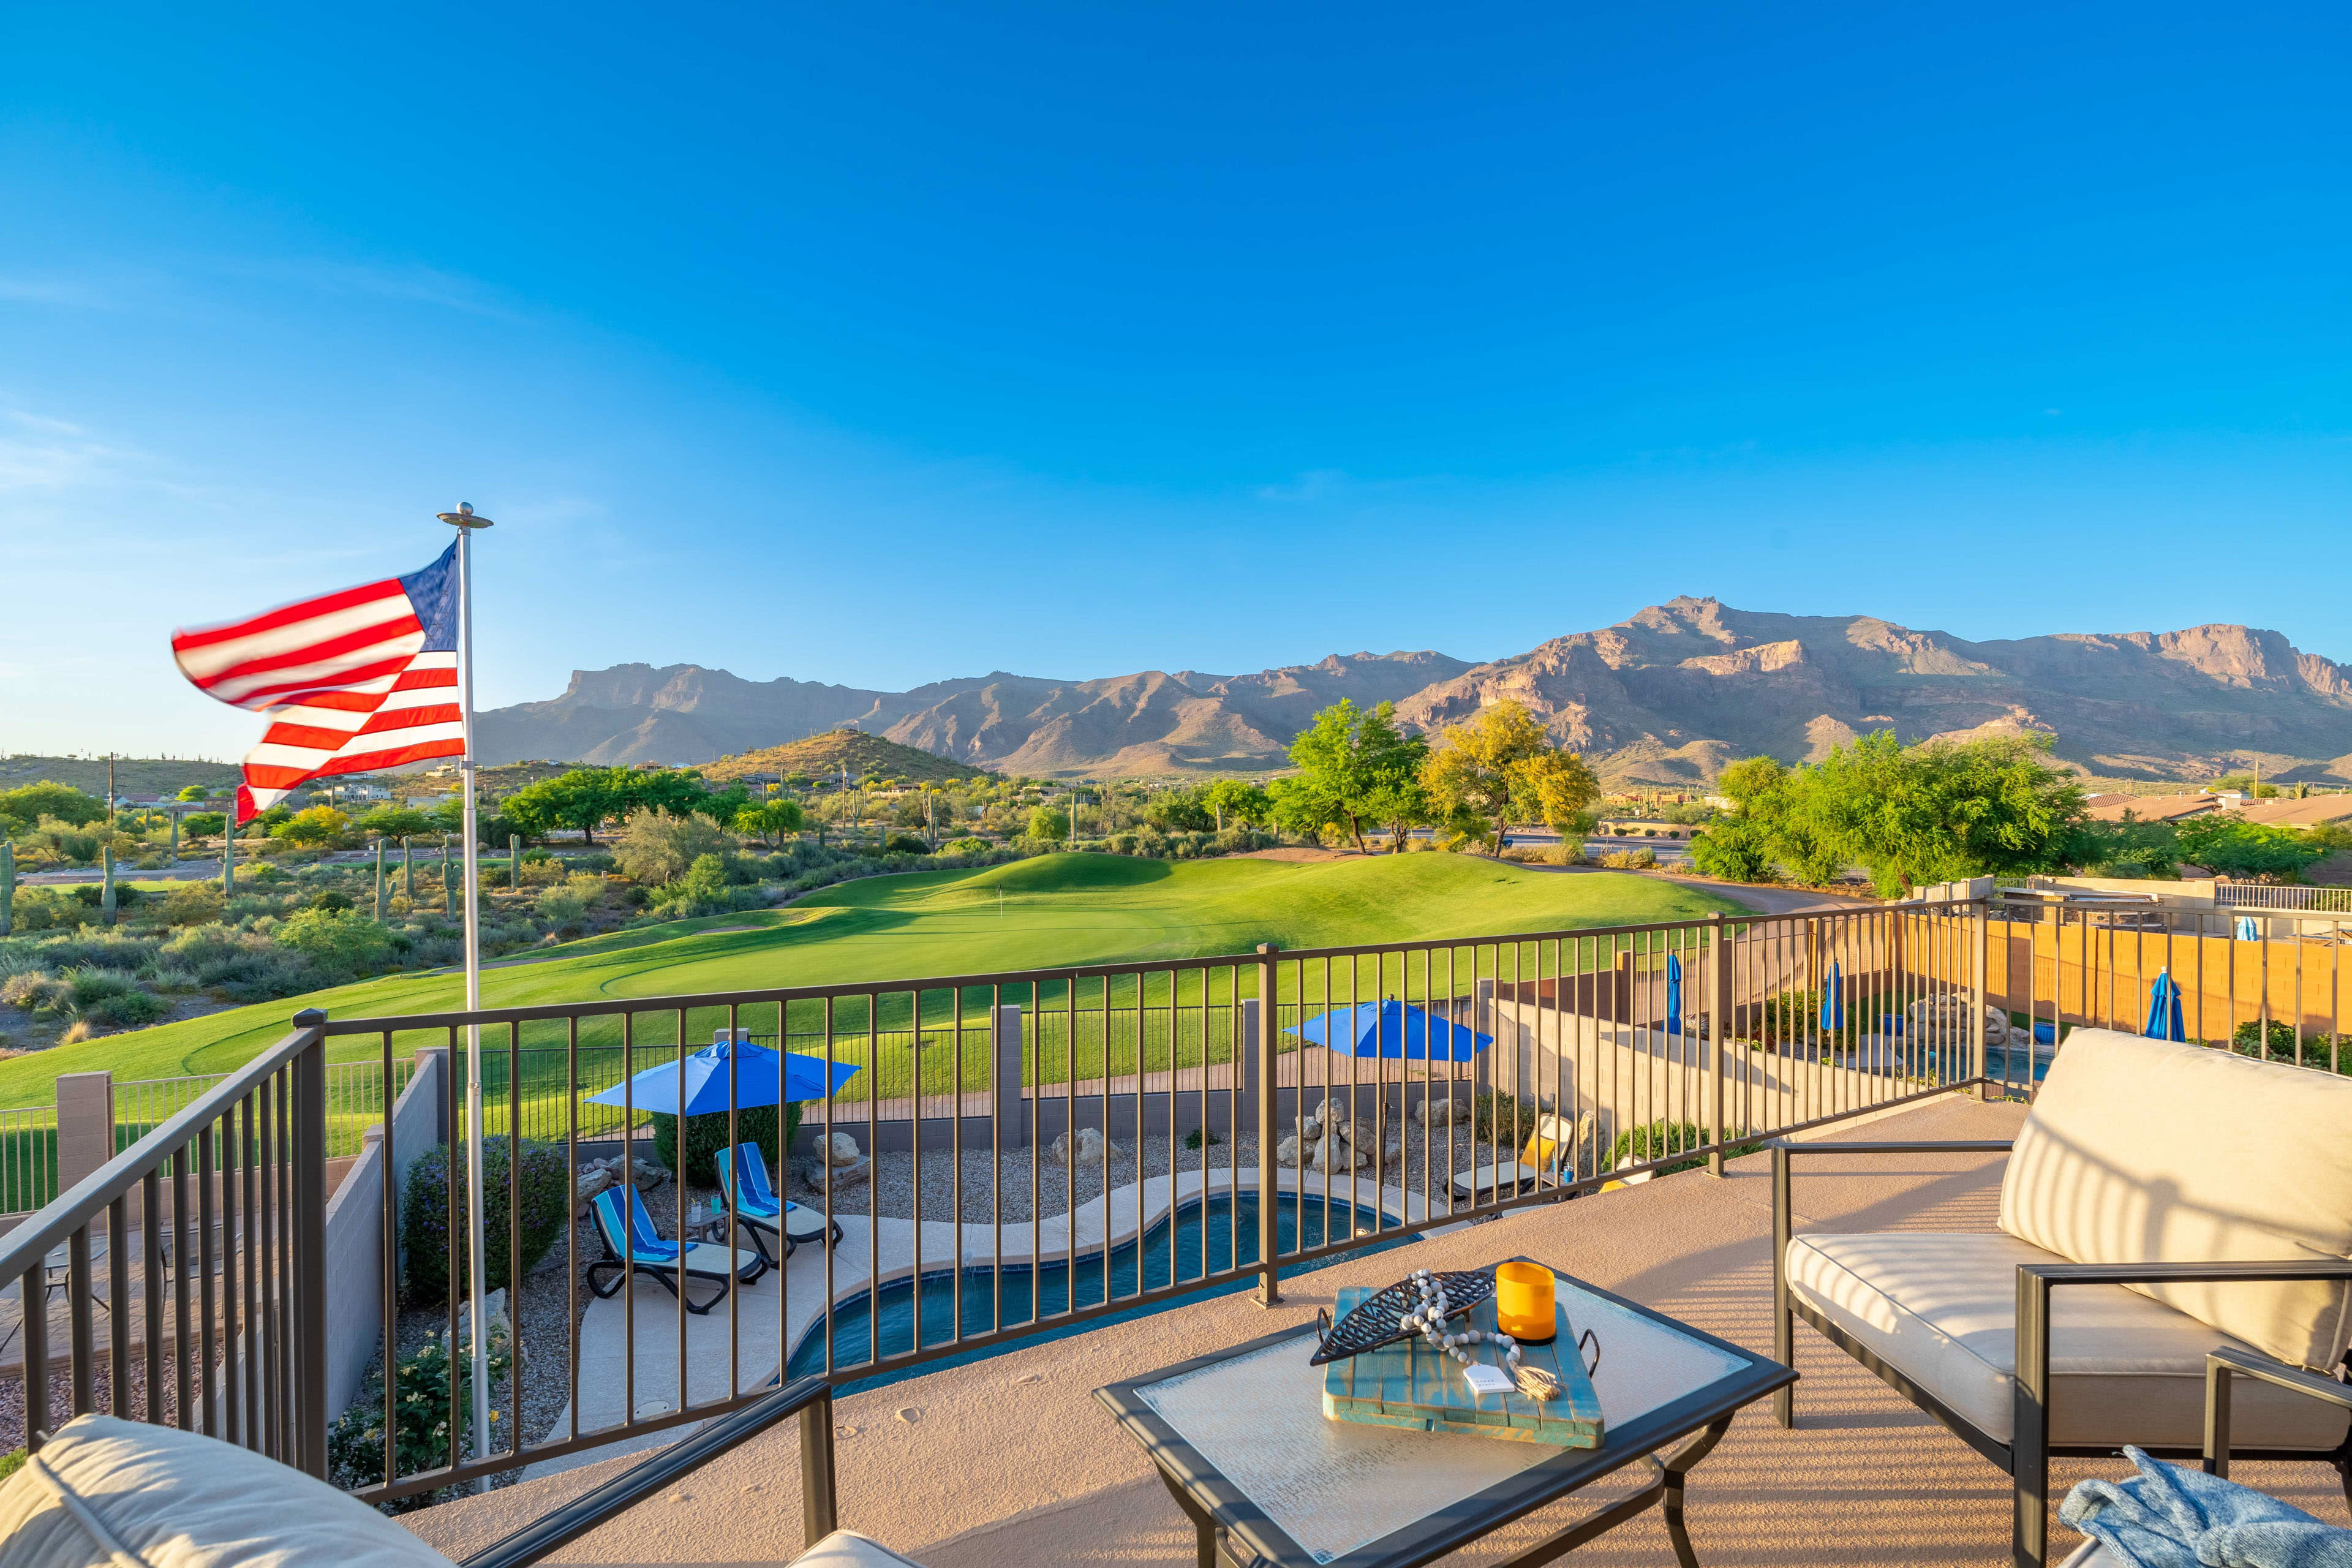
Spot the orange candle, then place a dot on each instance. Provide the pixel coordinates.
(1523, 1305)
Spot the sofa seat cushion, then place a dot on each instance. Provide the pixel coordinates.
(847, 1549)
(105, 1493)
(1941, 1308)
(2140, 1151)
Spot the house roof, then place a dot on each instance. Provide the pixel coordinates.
(2149, 808)
(2307, 813)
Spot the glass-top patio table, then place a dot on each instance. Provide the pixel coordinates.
(1242, 1443)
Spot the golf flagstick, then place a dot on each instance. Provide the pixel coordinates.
(464, 520)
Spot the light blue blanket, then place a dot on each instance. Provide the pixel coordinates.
(2172, 1517)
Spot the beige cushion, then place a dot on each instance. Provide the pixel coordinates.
(847, 1549)
(2141, 1150)
(105, 1493)
(1941, 1308)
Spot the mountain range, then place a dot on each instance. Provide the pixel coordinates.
(1665, 696)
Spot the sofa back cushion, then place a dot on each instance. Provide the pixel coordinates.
(2140, 1151)
(105, 1493)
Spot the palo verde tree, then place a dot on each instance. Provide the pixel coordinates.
(1247, 804)
(1355, 767)
(771, 819)
(1501, 767)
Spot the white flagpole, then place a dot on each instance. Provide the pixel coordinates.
(465, 522)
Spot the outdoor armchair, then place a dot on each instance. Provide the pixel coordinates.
(2162, 1201)
(629, 1234)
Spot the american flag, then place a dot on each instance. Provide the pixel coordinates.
(355, 681)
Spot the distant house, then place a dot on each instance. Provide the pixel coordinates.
(2311, 812)
(2151, 807)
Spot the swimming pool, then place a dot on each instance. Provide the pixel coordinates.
(1171, 1249)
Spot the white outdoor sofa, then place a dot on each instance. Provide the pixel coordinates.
(107, 1493)
(2162, 1201)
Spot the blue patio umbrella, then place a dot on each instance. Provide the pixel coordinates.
(1674, 994)
(1834, 1001)
(762, 1076)
(1391, 1029)
(2164, 1021)
(2249, 928)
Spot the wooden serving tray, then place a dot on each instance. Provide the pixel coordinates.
(1413, 1386)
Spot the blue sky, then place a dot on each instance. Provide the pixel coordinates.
(878, 344)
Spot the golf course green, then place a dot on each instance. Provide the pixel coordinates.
(1050, 912)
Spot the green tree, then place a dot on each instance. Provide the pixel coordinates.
(313, 828)
(30, 803)
(1048, 824)
(656, 847)
(1354, 767)
(582, 798)
(393, 822)
(203, 823)
(1734, 849)
(2222, 844)
(1502, 767)
(1247, 804)
(192, 792)
(771, 819)
(1912, 814)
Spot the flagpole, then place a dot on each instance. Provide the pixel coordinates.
(464, 520)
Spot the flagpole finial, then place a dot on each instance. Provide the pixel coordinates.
(464, 517)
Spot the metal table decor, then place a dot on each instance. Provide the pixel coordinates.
(1411, 1386)
(1369, 1322)
(1241, 1442)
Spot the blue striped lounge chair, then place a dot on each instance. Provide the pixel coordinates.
(646, 1253)
(743, 1183)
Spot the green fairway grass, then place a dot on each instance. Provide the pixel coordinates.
(1058, 911)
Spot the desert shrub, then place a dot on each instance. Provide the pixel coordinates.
(1502, 1119)
(433, 1383)
(2277, 1042)
(1630, 859)
(35, 991)
(1733, 850)
(562, 908)
(705, 1136)
(657, 848)
(1656, 1140)
(192, 904)
(598, 861)
(433, 1185)
(127, 1010)
(336, 941)
(99, 950)
(966, 846)
(334, 900)
(905, 843)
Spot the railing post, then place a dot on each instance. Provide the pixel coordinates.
(309, 1395)
(817, 1471)
(1719, 1034)
(1269, 1272)
(1007, 1104)
(1980, 917)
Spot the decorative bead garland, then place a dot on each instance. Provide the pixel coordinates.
(1428, 1320)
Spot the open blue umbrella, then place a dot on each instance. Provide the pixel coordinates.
(1390, 1028)
(762, 1076)
(2164, 1021)
(1834, 1001)
(1674, 994)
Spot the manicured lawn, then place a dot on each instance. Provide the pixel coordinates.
(1058, 911)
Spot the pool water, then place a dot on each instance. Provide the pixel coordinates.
(1172, 1249)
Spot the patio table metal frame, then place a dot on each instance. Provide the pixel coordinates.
(1233, 1529)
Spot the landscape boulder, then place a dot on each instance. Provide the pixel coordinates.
(1944, 1021)
(1090, 1146)
(1441, 1111)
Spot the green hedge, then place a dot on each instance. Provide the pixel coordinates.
(425, 1205)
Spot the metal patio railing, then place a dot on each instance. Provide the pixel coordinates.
(1033, 1150)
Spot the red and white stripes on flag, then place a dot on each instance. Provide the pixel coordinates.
(352, 682)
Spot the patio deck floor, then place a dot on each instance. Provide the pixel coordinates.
(1011, 1462)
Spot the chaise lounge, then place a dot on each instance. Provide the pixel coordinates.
(743, 1183)
(667, 1264)
(2162, 1201)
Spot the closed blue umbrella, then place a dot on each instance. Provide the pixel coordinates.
(2249, 928)
(1674, 994)
(1390, 1030)
(2163, 1020)
(762, 1076)
(1834, 1001)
